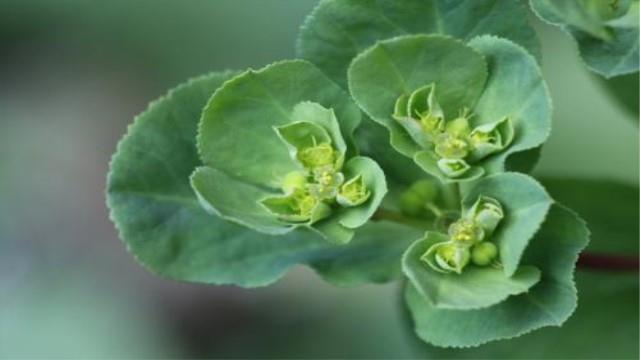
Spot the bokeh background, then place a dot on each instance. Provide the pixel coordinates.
(72, 76)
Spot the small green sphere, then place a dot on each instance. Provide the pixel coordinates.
(484, 253)
(411, 204)
(426, 189)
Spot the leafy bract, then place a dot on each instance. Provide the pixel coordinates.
(397, 67)
(554, 251)
(606, 31)
(474, 288)
(614, 230)
(525, 204)
(337, 30)
(252, 135)
(159, 219)
(494, 78)
(611, 209)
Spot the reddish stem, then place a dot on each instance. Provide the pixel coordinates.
(608, 262)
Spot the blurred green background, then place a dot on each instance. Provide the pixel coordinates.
(72, 76)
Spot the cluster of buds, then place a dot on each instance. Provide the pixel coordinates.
(312, 192)
(456, 145)
(469, 239)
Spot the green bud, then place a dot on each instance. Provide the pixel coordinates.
(293, 181)
(299, 206)
(426, 189)
(487, 213)
(484, 253)
(450, 146)
(327, 182)
(411, 204)
(465, 232)
(318, 155)
(432, 125)
(490, 138)
(354, 192)
(453, 167)
(414, 199)
(447, 257)
(459, 127)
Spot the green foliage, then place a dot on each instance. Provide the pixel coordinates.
(512, 88)
(232, 178)
(337, 30)
(550, 302)
(163, 226)
(261, 126)
(606, 31)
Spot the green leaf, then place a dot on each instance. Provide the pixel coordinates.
(608, 42)
(241, 140)
(515, 89)
(164, 227)
(392, 68)
(580, 337)
(514, 93)
(476, 287)
(550, 302)
(612, 211)
(525, 204)
(624, 89)
(337, 30)
(374, 255)
(610, 208)
(236, 131)
(233, 200)
(319, 120)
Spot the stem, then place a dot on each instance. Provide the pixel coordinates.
(608, 262)
(434, 209)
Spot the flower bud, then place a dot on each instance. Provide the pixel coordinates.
(447, 257)
(459, 127)
(450, 146)
(426, 189)
(297, 207)
(414, 199)
(432, 125)
(326, 183)
(490, 138)
(354, 192)
(453, 167)
(293, 181)
(484, 253)
(465, 232)
(487, 213)
(316, 156)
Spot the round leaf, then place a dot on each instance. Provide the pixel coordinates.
(165, 228)
(396, 67)
(525, 204)
(476, 287)
(237, 133)
(607, 34)
(337, 30)
(549, 303)
(516, 90)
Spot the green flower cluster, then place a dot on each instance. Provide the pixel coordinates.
(469, 239)
(455, 144)
(310, 193)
